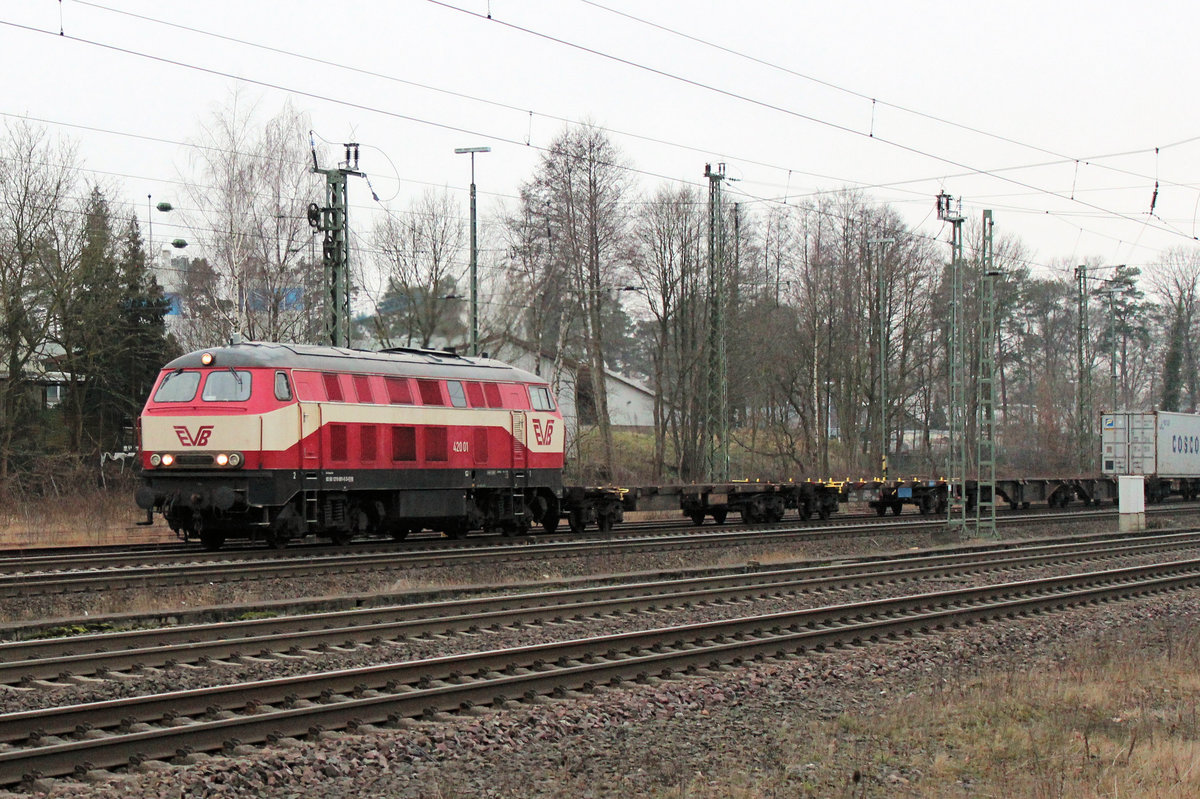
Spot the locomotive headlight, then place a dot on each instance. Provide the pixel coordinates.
(235, 459)
(155, 459)
(207, 359)
(222, 459)
(168, 459)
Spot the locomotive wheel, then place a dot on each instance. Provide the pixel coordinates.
(697, 517)
(719, 515)
(211, 540)
(578, 524)
(552, 515)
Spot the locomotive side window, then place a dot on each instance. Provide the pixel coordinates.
(516, 396)
(366, 442)
(338, 450)
(431, 392)
(475, 395)
(362, 388)
(540, 397)
(435, 443)
(398, 390)
(333, 387)
(458, 397)
(178, 386)
(227, 386)
(404, 443)
(492, 392)
(283, 389)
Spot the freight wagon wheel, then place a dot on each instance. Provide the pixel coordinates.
(880, 509)
(397, 531)
(805, 511)
(719, 515)
(697, 516)
(823, 512)
(605, 522)
(897, 507)
(456, 530)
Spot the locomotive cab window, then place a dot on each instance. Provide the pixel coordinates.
(283, 389)
(229, 385)
(178, 386)
(458, 397)
(539, 396)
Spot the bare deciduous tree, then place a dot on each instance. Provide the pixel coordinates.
(251, 187)
(420, 256)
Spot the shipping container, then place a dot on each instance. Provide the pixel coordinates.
(1156, 444)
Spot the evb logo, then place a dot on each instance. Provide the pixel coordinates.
(188, 439)
(544, 435)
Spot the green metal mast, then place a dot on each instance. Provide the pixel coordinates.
(718, 365)
(333, 219)
(956, 450)
(1083, 372)
(985, 496)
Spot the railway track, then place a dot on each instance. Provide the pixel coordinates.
(155, 573)
(104, 735)
(23, 662)
(77, 559)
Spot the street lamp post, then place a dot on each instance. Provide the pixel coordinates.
(474, 251)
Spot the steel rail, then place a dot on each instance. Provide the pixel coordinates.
(57, 658)
(178, 574)
(272, 709)
(100, 558)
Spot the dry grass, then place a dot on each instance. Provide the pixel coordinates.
(86, 517)
(1116, 718)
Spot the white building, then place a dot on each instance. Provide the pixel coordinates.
(630, 404)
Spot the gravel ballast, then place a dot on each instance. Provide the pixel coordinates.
(715, 734)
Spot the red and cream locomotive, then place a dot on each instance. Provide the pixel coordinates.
(275, 441)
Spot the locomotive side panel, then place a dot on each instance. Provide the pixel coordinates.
(348, 442)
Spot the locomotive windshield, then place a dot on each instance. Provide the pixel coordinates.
(178, 386)
(227, 386)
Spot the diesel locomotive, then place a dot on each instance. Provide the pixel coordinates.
(276, 441)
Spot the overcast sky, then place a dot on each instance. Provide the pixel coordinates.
(1019, 106)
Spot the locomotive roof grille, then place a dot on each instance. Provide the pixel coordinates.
(402, 361)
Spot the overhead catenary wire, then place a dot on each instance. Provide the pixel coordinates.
(779, 108)
(973, 170)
